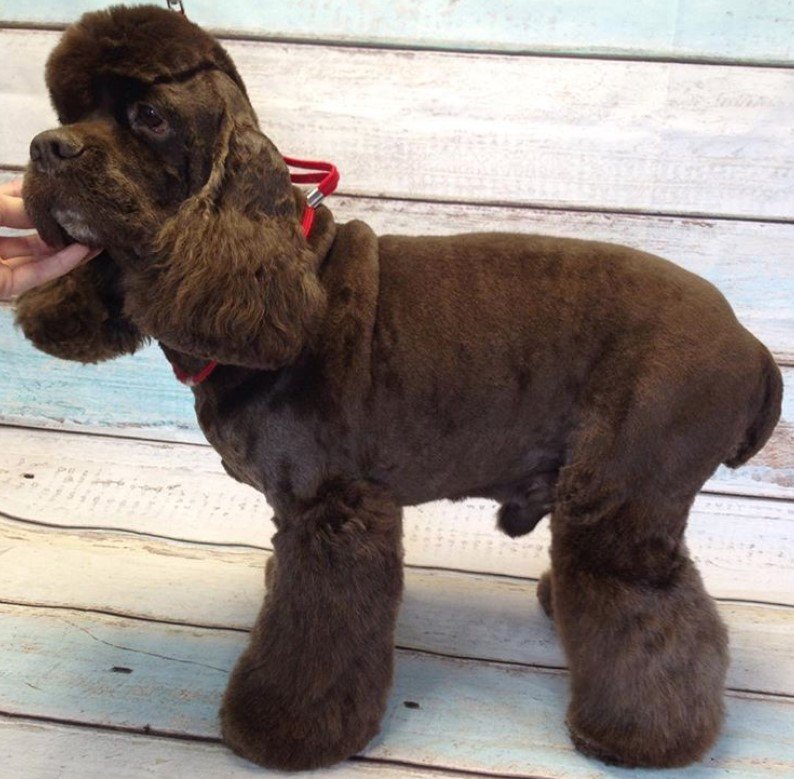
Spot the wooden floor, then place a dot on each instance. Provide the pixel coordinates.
(131, 566)
(130, 572)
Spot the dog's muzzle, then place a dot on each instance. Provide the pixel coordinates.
(51, 150)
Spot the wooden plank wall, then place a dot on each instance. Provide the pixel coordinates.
(660, 124)
(697, 30)
(563, 132)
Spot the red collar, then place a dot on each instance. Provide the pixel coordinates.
(326, 177)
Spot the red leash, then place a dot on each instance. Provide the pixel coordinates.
(326, 177)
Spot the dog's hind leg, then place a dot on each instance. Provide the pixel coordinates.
(646, 648)
(311, 687)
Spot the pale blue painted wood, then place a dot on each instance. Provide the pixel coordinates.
(472, 715)
(45, 750)
(139, 396)
(723, 30)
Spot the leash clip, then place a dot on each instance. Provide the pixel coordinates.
(176, 5)
(324, 176)
(315, 197)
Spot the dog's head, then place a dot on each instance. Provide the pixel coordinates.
(159, 159)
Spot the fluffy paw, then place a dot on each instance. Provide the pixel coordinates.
(312, 732)
(543, 593)
(648, 672)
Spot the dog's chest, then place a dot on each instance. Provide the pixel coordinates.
(275, 443)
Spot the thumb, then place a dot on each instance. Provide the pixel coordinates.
(24, 277)
(62, 262)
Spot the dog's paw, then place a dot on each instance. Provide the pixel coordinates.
(647, 690)
(543, 593)
(297, 735)
(632, 746)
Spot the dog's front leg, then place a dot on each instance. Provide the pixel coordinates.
(311, 687)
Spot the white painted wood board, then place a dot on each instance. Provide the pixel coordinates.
(43, 750)
(721, 30)
(472, 715)
(456, 614)
(749, 262)
(138, 396)
(606, 135)
(744, 546)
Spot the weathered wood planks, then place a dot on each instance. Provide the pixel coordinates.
(658, 137)
(588, 135)
(36, 390)
(749, 262)
(40, 750)
(177, 675)
(729, 30)
(743, 546)
(462, 615)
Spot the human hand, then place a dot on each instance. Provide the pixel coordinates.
(25, 260)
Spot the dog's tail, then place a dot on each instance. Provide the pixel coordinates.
(766, 416)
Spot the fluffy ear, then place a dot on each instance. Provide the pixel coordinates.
(233, 278)
(79, 316)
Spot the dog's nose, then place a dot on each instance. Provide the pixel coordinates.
(51, 149)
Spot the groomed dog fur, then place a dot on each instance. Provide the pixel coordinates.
(360, 374)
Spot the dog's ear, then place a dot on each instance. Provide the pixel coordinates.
(233, 278)
(79, 316)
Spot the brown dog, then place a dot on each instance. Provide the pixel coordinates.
(360, 374)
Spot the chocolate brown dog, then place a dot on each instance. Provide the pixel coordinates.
(360, 374)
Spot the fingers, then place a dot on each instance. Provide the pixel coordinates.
(23, 259)
(12, 188)
(20, 274)
(30, 260)
(12, 212)
(24, 245)
(19, 261)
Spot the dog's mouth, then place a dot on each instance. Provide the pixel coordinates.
(58, 217)
(73, 228)
(59, 227)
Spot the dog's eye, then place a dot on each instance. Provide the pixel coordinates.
(147, 115)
